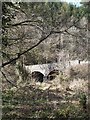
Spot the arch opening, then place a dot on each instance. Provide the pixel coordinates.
(38, 76)
(53, 74)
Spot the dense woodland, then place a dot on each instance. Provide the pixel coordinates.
(39, 33)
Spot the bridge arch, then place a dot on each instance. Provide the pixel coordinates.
(38, 76)
(52, 74)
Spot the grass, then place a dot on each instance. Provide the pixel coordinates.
(46, 100)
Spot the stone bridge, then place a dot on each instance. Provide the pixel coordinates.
(45, 70)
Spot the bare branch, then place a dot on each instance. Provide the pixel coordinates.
(20, 23)
(80, 27)
(42, 39)
(80, 36)
(20, 54)
(38, 27)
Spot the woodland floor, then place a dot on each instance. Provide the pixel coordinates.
(51, 99)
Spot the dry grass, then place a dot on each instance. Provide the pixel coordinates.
(39, 99)
(76, 78)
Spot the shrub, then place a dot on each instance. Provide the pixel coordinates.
(83, 100)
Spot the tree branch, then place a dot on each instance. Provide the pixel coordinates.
(80, 36)
(20, 23)
(42, 39)
(20, 54)
(78, 27)
(38, 27)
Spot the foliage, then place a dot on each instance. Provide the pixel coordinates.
(44, 18)
(34, 57)
(64, 79)
(86, 9)
(24, 26)
(83, 100)
(72, 72)
(35, 104)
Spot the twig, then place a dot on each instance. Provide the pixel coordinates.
(20, 54)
